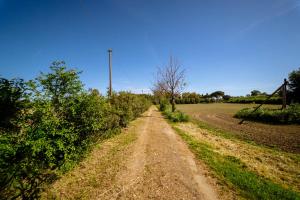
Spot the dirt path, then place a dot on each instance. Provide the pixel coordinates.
(161, 166)
(146, 161)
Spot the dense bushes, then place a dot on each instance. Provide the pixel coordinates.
(164, 104)
(128, 106)
(255, 99)
(291, 115)
(191, 100)
(176, 116)
(48, 123)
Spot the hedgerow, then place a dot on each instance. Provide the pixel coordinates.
(47, 124)
(255, 99)
(291, 115)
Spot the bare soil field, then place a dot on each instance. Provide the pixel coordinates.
(220, 115)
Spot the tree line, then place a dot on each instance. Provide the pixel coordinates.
(255, 96)
(47, 124)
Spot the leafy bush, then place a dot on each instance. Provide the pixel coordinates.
(176, 116)
(128, 106)
(51, 123)
(11, 102)
(291, 115)
(164, 104)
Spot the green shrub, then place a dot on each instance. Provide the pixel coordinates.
(128, 106)
(51, 123)
(176, 116)
(164, 104)
(291, 115)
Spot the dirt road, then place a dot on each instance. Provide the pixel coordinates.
(161, 166)
(147, 161)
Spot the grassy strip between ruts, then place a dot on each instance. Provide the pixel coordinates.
(234, 172)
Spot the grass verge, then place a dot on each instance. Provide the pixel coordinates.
(235, 173)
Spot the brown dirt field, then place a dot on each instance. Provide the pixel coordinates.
(148, 161)
(220, 115)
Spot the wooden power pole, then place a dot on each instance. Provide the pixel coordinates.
(110, 71)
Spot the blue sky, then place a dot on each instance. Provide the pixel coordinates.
(230, 45)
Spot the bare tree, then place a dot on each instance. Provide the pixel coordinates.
(170, 80)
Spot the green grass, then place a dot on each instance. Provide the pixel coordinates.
(235, 173)
(176, 116)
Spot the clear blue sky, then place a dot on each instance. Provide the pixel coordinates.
(228, 45)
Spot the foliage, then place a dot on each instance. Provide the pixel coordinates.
(256, 99)
(176, 116)
(217, 94)
(257, 93)
(128, 106)
(52, 122)
(164, 104)
(291, 115)
(11, 102)
(60, 84)
(294, 85)
(189, 98)
(235, 172)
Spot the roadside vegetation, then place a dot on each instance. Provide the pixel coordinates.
(291, 115)
(95, 177)
(49, 123)
(256, 99)
(253, 171)
(176, 116)
(235, 172)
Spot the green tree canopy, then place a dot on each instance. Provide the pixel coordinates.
(217, 94)
(294, 85)
(255, 93)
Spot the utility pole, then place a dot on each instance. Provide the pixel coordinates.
(109, 63)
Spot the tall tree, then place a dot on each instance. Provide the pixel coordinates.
(255, 93)
(170, 80)
(217, 94)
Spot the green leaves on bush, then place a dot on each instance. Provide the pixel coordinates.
(48, 124)
(176, 116)
(291, 115)
(164, 104)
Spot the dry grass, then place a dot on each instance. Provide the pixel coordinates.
(280, 167)
(96, 174)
